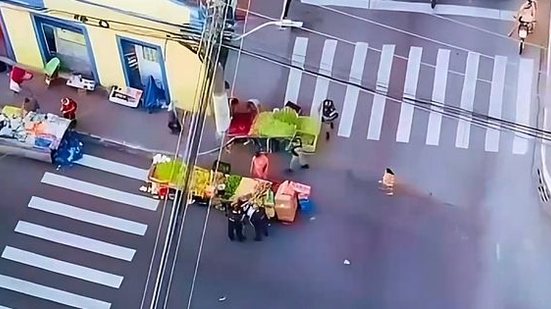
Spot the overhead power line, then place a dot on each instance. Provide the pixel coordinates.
(449, 111)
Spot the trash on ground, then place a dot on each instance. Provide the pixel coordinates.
(346, 262)
(223, 298)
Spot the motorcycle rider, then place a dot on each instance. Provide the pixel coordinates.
(526, 14)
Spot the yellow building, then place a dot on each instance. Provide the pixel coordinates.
(114, 42)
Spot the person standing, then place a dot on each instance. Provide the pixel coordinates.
(235, 222)
(328, 116)
(259, 220)
(297, 156)
(259, 165)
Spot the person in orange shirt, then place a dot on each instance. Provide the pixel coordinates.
(259, 165)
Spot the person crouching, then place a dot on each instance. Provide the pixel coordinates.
(69, 109)
(388, 181)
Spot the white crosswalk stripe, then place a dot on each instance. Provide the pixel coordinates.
(463, 136)
(322, 83)
(438, 97)
(352, 92)
(295, 76)
(61, 267)
(100, 191)
(113, 167)
(56, 261)
(379, 101)
(473, 98)
(51, 294)
(75, 241)
(87, 216)
(496, 102)
(410, 91)
(524, 100)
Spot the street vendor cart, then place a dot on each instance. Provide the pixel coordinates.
(29, 134)
(167, 176)
(273, 130)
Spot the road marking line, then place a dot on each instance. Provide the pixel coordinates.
(62, 267)
(496, 102)
(113, 167)
(75, 241)
(295, 75)
(498, 252)
(100, 191)
(322, 83)
(438, 97)
(379, 100)
(467, 100)
(353, 92)
(405, 121)
(524, 100)
(88, 216)
(51, 294)
(401, 6)
(4, 307)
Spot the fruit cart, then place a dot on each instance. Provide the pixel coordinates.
(167, 176)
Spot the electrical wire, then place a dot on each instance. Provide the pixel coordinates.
(446, 110)
(323, 34)
(334, 10)
(184, 182)
(240, 48)
(188, 179)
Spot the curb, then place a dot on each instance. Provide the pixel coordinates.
(121, 145)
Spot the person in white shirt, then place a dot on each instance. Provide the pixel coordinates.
(526, 14)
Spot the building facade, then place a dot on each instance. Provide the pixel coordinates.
(114, 42)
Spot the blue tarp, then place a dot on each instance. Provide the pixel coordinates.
(69, 150)
(154, 97)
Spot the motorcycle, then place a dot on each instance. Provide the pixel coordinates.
(523, 30)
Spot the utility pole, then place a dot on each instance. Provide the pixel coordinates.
(210, 80)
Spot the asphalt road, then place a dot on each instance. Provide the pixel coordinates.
(23, 179)
(466, 233)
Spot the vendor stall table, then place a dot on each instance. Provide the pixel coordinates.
(36, 136)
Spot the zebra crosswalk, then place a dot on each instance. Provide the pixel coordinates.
(468, 85)
(100, 238)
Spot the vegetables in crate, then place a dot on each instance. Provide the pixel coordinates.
(286, 115)
(267, 125)
(232, 182)
(201, 180)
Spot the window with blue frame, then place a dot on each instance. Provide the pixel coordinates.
(67, 42)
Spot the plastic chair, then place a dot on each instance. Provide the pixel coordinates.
(52, 67)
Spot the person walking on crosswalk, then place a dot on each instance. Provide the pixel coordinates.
(328, 116)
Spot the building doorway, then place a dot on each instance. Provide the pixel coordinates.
(142, 63)
(68, 43)
(5, 47)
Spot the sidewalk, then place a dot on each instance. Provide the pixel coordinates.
(97, 117)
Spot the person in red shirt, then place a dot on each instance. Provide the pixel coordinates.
(259, 165)
(17, 77)
(68, 108)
